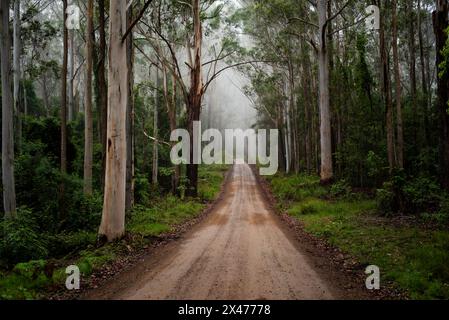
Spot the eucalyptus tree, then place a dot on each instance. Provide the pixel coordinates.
(398, 88)
(115, 200)
(88, 130)
(63, 113)
(9, 193)
(441, 25)
(16, 68)
(100, 82)
(113, 217)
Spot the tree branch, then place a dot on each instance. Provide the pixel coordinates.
(139, 16)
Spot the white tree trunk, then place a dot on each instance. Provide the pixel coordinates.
(113, 218)
(9, 193)
(326, 171)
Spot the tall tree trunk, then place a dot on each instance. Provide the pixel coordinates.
(290, 114)
(386, 90)
(412, 67)
(16, 68)
(102, 86)
(170, 103)
(285, 112)
(279, 125)
(64, 111)
(195, 97)
(25, 96)
(173, 126)
(9, 191)
(64, 94)
(308, 103)
(424, 84)
(130, 119)
(88, 130)
(398, 91)
(326, 171)
(113, 217)
(71, 75)
(440, 24)
(155, 171)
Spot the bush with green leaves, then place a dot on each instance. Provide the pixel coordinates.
(65, 243)
(341, 189)
(21, 240)
(422, 194)
(386, 199)
(409, 195)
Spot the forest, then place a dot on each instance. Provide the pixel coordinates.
(92, 90)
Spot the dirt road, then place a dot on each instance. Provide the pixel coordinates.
(240, 251)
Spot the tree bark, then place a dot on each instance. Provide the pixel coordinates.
(398, 91)
(9, 192)
(386, 90)
(173, 126)
(412, 67)
(130, 118)
(16, 69)
(113, 218)
(440, 24)
(88, 130)
(326, 171)
(64, 73)
(102, 85)
(195, 97)
(155, 171)
(170, 103)
(424, 84)
(71, 75)
(64, 110)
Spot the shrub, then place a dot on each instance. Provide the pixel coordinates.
(386, 199)
(83, 211)
(341, 189)
(297, 188)
(142, 188)
(21, 240)
(422, 194)
(65, 243)
(411, 196)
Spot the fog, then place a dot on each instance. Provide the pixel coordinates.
(225, 106)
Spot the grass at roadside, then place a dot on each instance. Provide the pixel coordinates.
(32, 280)
(411, 256)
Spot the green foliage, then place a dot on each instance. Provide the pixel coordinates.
(210, 179)
(409, 195)
(92, 260)
(161, 215)
(414, 259)
(444, 66)
(341, 189)
(141, 189)
(24, 281)
(42, 229)
(297, 188)
(21, 240)
(63, 244)
(422, 194)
